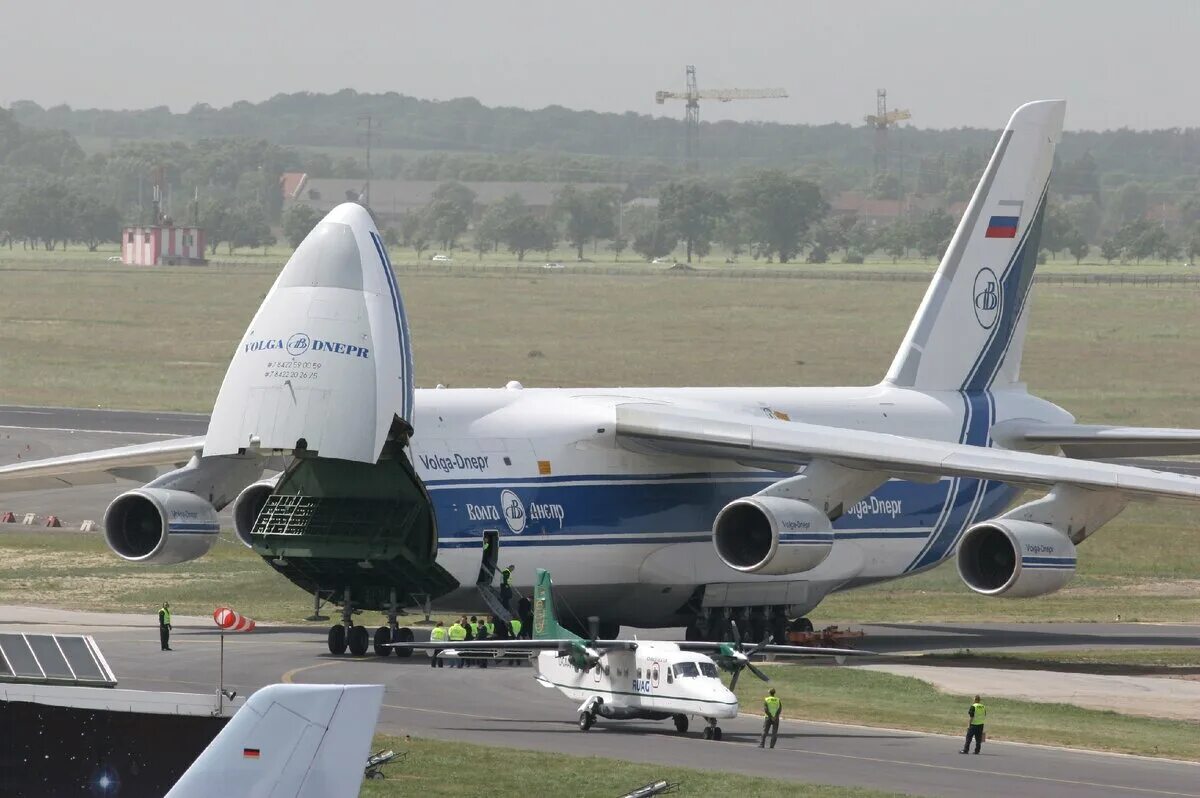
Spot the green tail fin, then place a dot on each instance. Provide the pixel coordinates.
(545, 622)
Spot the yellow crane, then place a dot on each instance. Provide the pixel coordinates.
(693, 95)
(882, 120)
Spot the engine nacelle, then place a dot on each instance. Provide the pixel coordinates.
(160, 526)
(1017, 559)
(772, 535)
(249, 504)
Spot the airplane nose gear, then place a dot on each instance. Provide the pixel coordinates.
(712, 731)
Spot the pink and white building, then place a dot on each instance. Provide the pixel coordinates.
(159, 245)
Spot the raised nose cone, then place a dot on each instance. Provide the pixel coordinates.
(326, 363)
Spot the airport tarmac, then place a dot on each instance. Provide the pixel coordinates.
(505, 706)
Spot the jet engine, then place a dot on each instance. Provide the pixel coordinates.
(248, 504)
(1017, 559)
(772, 535)
(160, 526)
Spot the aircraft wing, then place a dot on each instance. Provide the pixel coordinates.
(705, 647)
(1099, 441)
(751, 439)
(139, 462)
(495, 644)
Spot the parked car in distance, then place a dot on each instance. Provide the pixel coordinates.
(554, 265)
(441, 259)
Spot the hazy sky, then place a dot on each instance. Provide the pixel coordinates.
(952, 62)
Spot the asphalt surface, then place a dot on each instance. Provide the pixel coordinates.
(504, 706)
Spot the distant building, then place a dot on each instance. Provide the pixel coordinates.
(162, 245)
(391, 199)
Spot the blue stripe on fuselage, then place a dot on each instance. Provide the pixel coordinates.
(593, 510)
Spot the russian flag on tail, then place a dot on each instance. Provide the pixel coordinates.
(1004, 224)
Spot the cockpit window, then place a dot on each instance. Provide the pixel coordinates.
(686, 669)
(708, 669)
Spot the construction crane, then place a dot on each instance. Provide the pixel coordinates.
(694, 95)
(882, 120)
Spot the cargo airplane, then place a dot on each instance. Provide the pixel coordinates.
(652, 506)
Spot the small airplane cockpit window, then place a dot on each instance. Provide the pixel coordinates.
(708, 669)
(689, 669)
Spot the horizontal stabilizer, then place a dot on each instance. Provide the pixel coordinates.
(1095, 441)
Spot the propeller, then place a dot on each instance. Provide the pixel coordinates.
(735, 657)
(582, 656)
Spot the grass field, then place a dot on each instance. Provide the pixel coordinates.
(451, 770)
(846, 695)
(161, 339)
(1145, 661)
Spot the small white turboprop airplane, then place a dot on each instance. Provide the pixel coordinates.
(652, 506)
(633, 679)
(289, 741)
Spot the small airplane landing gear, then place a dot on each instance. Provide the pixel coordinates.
(681, 723)
(712, 731)
(586, 719)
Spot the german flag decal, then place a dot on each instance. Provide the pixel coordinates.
(251, 753)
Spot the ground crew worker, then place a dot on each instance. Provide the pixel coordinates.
(772, 710)
(457, 634)
(164, 627)
(515, 628)
(490, 626)
(437, 635)
(506, 586)
(481, 634)
(475, 626)
(977, 713)
(466, 663)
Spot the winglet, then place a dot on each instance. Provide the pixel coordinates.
(289, 741)
(545, 622)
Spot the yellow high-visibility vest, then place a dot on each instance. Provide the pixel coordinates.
(457, 632)
(164, 616)
(980, 712)
(773, 705)
(438, 634)
(516, 627)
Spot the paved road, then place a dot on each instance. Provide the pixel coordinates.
(504, 706)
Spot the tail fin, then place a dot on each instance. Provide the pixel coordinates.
(289, 741)
(545, 622)
(970, 329)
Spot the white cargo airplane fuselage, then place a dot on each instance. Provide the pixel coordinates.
(628, 535)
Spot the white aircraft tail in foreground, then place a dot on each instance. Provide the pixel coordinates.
(289, 741)
(654, 507)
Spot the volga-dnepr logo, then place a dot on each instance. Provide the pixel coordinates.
(297, 345)
(986, 298)
(514, 511)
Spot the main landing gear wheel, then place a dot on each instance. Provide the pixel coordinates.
(337, 640)
(383, 636)
(681, 724)
(586, 719)
(358, 641)
(403, 635)
(716, 733)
